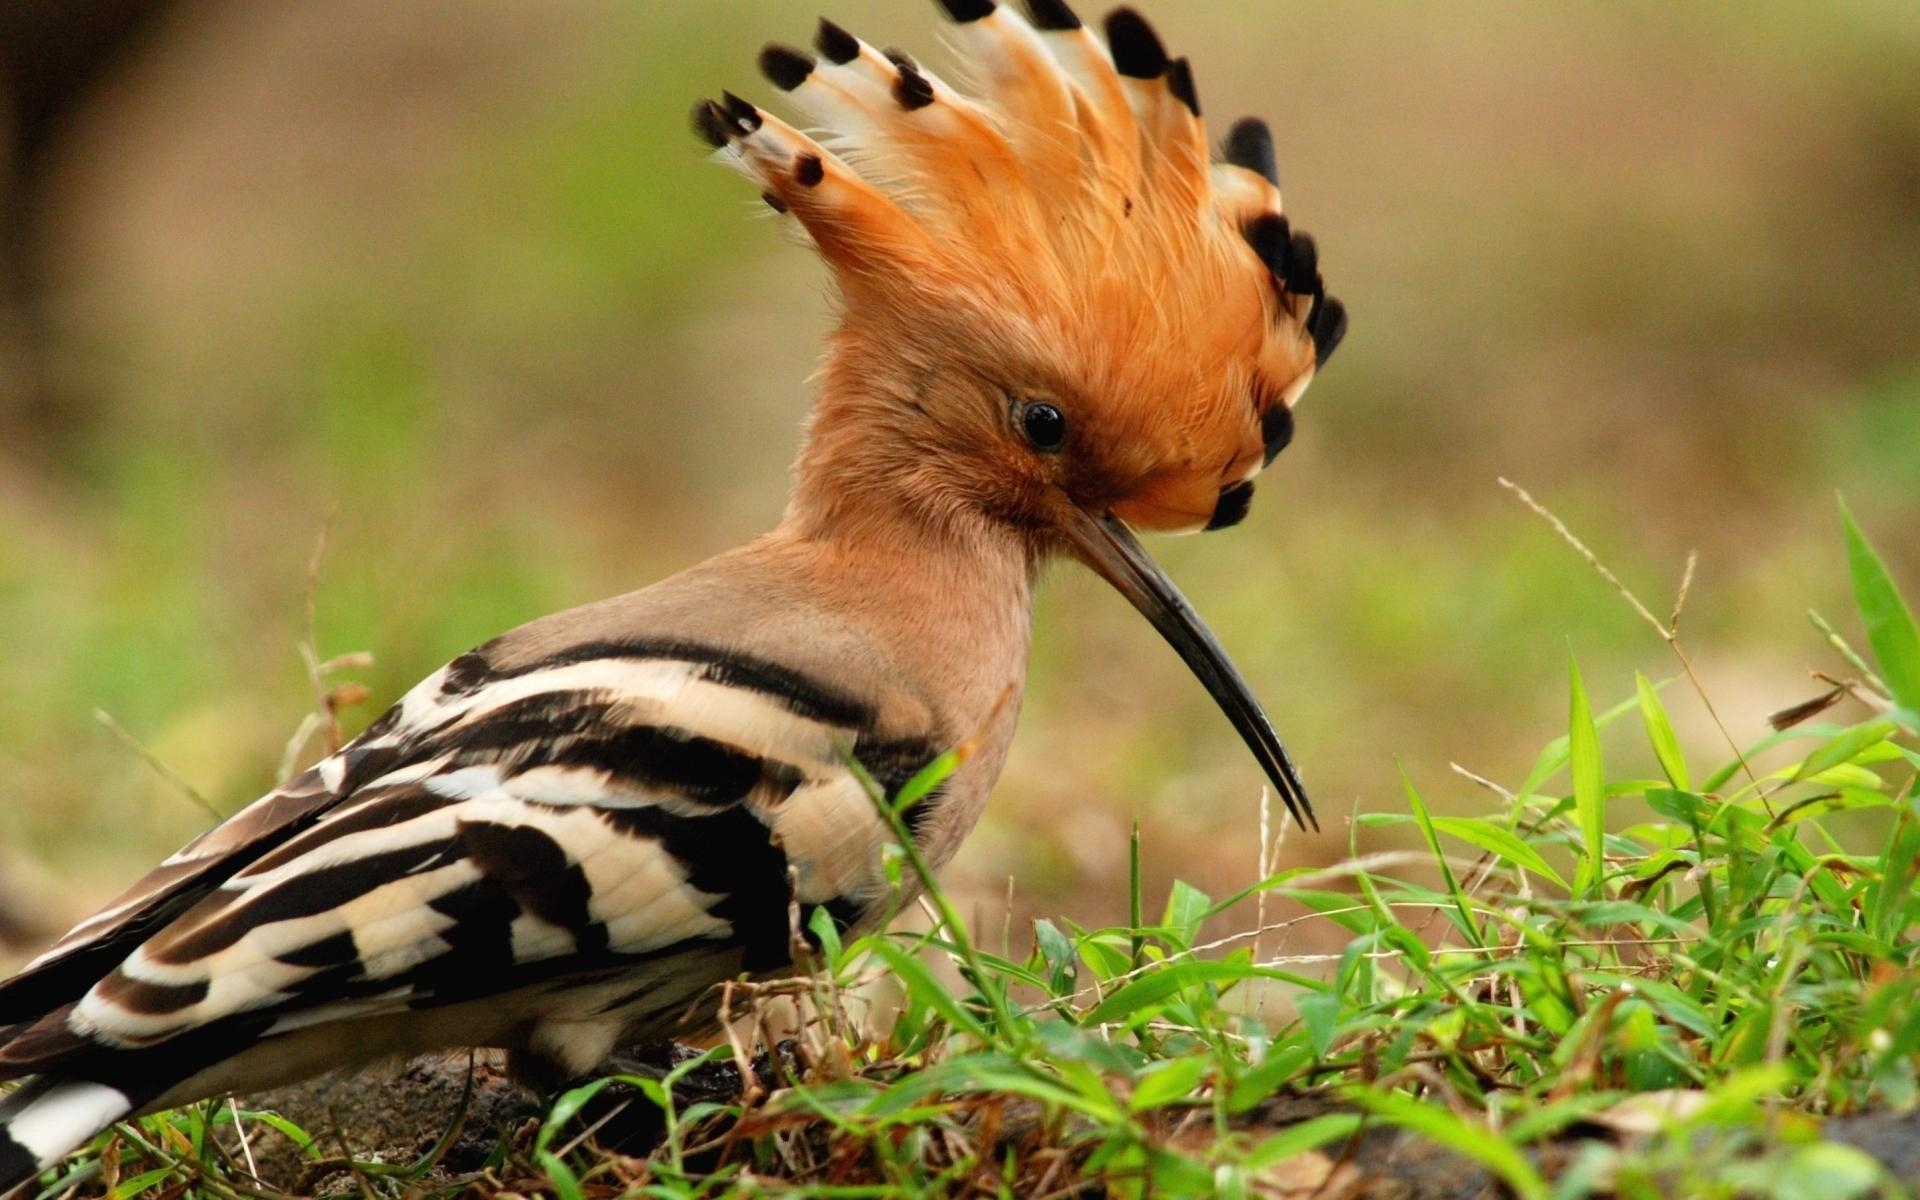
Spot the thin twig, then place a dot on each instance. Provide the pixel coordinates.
(153, 760)
(1686, 585)
(328, 700)
(1484, 782)
(1262, 872)
(1295, 960)
(1846, 651)
(1593, 560)
(1864, 693)
(310, 643)
(246, 1147)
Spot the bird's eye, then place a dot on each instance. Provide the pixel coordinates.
(1044, 425)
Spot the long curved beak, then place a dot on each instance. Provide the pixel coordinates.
(1108, 546)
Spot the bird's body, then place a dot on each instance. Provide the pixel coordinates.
(564, 839)
(576, 775)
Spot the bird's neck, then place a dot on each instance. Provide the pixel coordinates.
(947, 588)
(869, 501)
(879, 470)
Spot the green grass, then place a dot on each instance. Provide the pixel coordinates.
(1727, 941)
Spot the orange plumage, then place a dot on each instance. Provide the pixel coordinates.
(1059, 234)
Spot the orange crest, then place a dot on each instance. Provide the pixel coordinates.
(1065, 221)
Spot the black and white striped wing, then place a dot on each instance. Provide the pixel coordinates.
(606, 808)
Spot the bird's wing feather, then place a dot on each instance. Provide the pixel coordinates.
(606, 805)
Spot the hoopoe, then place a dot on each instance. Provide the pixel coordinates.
(1060, 322)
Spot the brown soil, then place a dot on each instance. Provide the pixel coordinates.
(397, 1116)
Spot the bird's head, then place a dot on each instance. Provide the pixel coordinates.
(1057, 308)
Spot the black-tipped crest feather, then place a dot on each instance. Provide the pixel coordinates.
(1276, 430)
(963, 11)
(1235, 502)
(1052, 15)
(1270, 235)
(1180, 83)
(785, 67)
(1137, 51)
(710, 123)
(1250, 145)
(744, 117)
(912, 89)
(835, 44)
(1303, 265)
(1328, 327)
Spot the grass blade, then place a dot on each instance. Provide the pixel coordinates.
(1308, 1135)
(1589, 786)
(1890, 628)
(1169, 1081)
(1666, 747)
(1148, 991)
(921, 984)
(1467, 924)
(1501, 843)
(1136, 907)
(1844, 749)
(926, 780)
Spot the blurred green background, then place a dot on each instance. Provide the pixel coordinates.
(452, 281)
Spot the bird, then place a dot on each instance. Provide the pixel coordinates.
(1062, 321)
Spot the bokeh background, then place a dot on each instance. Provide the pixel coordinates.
(451, 281)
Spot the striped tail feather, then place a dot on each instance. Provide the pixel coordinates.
(47, 1119)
